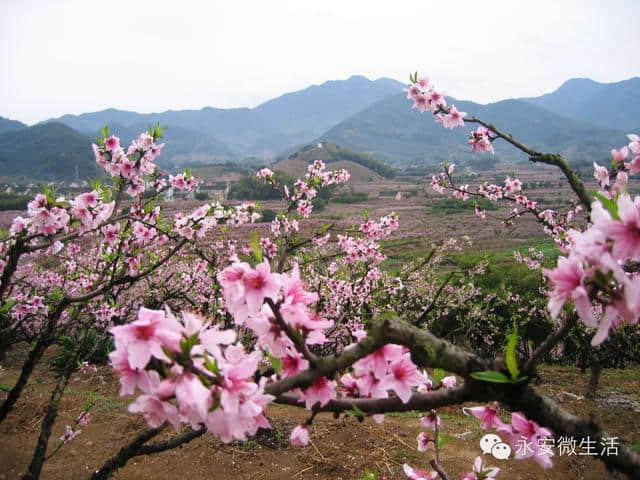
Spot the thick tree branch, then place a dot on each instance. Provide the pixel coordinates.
(549, 414)
(11, 264)
(327, 366)
(178, 440)
(120, 459)
(419, 401)
(572, 177)
(138, 447)
(537, 157)
(45, 339)
(430, 351)
(37, 462)
(427, 350)
(436, 466)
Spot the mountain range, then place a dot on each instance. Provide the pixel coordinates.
(582, 119)
(390, 131)
(273, 126)
(606, 105)
(7, 125)
(48, 151)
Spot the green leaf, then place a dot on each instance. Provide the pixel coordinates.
(170, 354)
(370, 475)
(153, 258)
(186, 344)
(438, 375)
(388, 315)
(276, 362)
(355, 412)
(109, 257)
(444, 439)
(49, 193)
(56, 294)
(157, 131)
(90, 402)
(96, 184)
(7, 306)
(609, 204)
(149, 206)
(510, 353)
(211, 365)
(255, 246)
(297, 336)
(491, 376)
(4, 388)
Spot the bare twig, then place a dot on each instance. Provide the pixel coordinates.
(295, 337)
(551, 341)
(436, 466)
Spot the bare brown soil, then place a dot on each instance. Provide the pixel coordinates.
(340, 449)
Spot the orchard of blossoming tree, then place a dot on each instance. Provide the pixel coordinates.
(209, 323)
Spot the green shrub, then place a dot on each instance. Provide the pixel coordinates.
(13, 202)
(455, 205)
(342, 153)
(268, 215)
(250, 187)
(92, 347)
(351, 197)
(319, 204)
(502, 272)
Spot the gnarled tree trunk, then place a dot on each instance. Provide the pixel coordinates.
(594, 380)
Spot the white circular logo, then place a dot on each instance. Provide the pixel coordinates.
(501, 451)
(488, 441)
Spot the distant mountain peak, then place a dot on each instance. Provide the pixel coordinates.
(607, 105)
(276, 125)
(8, 125)
(581, 81)
(47, 151)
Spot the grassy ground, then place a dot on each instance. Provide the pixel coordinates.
(403, 250)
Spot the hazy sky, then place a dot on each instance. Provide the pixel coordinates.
(73, 56)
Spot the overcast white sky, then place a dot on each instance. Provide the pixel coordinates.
(74, 56)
